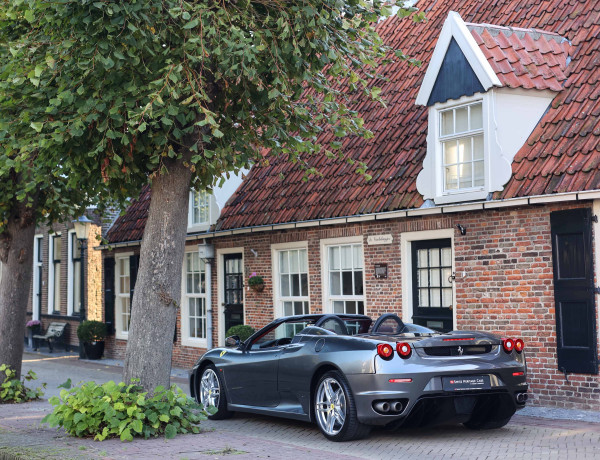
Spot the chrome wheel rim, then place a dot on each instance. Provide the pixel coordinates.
(330, 406)
(210, 390)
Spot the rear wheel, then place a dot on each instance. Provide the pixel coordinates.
(211, 393)
(335, 409)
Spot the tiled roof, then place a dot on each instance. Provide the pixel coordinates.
(524, 58)
(130, 226)
(561, 154)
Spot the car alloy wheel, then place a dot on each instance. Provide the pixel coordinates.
(210, 390)
(330, 406)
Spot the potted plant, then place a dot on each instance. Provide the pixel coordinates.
(92, 335)
(33, 327)
(241, 331)
(256, 282)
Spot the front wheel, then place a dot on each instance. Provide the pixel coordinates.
(211, 393)
(335, 409)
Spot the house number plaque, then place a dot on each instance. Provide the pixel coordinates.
(381, 271)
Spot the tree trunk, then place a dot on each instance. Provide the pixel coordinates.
(158, 286)
(16, 253)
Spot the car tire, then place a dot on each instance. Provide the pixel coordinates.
(210, 382)
(486, 424)
(335, 409)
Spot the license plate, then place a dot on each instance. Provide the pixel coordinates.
(469, 382)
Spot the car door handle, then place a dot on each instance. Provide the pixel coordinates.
(292, 347)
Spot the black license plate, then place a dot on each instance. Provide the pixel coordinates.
(468, 382)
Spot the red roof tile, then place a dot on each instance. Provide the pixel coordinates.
(130, 226)
(526, 49)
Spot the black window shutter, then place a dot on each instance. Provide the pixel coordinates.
(574, 291)
(134, 263)
(109, 294)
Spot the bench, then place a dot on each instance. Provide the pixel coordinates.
(54, 333)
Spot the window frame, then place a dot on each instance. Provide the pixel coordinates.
(52, 310)
(186, 340)
(197, 226)
(278, 298)
(38, 268)
(327, 298)
(71, 274)
(119, 332)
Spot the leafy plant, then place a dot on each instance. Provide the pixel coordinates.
(255, 279)
(91, 331)
(13, 390)
(243, 331)
(119, 410)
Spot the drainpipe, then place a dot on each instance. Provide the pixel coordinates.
(206, 252)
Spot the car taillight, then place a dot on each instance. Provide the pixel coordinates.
(403, 349)
(519, 345)
(508, 345)
(385, 350)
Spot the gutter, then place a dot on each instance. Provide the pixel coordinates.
(444, 209)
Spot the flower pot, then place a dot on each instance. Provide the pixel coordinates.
(94, 350)
(258, 287)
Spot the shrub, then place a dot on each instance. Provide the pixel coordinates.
(255, 279)
(110, 410)
(241, 330)
(12, 390)
(91, 331)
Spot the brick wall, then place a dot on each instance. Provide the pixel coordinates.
(503, 285)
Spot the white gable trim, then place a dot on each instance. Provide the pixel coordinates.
(455, 27)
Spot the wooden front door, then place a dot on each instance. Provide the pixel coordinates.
(574, 291)
(234, 290)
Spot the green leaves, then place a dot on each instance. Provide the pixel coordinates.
(13, 390)
(124, 411)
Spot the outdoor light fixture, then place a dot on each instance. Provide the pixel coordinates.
(82, 227)
(461, 229)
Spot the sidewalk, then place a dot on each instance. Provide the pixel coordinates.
(534, 433)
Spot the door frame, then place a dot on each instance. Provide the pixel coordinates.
(406, 240)
(221, 289)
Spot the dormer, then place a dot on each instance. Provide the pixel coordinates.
(486, 89)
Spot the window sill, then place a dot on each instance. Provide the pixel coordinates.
(196, 343)
(121, 336)
(459, 197)
(198, 228)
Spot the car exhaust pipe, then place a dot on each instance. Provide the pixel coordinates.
(522, 397)
(397, 406)
(382, 406)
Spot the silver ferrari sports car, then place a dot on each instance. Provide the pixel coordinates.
(349, 373)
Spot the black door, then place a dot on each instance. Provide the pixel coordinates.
(574, 291)
(234, 290)
(432, 284)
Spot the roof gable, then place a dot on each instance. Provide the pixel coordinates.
(455, 77)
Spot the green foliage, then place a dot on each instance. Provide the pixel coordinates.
(118, 410)
(255, 279)
(12, 390)
(91, 331)
(114, 92)
(243, 331)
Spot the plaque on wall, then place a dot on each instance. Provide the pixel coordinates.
(379, 239)
(381, 271)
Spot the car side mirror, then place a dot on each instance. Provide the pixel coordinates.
(233, 341)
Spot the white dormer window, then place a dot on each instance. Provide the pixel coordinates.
(199, 209)
(462, 148)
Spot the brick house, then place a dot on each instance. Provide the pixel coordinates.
(480, 214)
(55, 294)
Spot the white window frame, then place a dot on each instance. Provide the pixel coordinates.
(277, 298)
(186, 340)
(51, 274)
(119, 332)
(406, 240)
(36, 300)
(199, 226)
(327, 299)
(70, 274)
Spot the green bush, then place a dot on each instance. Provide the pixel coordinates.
(91, 331)
(12, 390)
(110, 410)
(241, 330)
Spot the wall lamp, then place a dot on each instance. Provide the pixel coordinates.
(253, 251)
(461, 229)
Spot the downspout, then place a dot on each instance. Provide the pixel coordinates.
(209, 304)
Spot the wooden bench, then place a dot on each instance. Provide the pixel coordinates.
(54, 333)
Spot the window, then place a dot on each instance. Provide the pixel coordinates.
(293, 282)
(461, 137)
(122, 295)
(199, 209)
(74, 275)
(38, 257)
(194, 300)
(54, 263)
(344, 267)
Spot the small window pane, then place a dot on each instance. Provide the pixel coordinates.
(434, 257)
(478, 178)
(446, 274)
(358, 256)
(424, 277)
(294, 265)
(288, 309)
(285, 285)
(334, 257)
(466, 175)
(423, 297)
(464, 150)
(447, 122)
(450, 152)
(422, 258)
(295, 285)
(451, 178)
(57, 247)
(304, 284)
(434, 277)
(338, 306)
(335, 287)
(351, 307)
(476, 116)
(303, 261)
(360, 307)
(478, 147)
(347, 283)
(346, 257)
(447, 257)
(462, 120)
(358, 283)
(283, 262)
(435, 298)
(447, 297)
